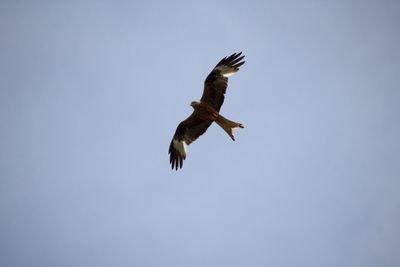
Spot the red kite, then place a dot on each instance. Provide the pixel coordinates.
(206, 111)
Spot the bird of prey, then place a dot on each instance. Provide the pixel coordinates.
(206, 111)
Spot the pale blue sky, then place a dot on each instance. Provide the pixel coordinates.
(91, 93)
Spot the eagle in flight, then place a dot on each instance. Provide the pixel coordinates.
(206, 111)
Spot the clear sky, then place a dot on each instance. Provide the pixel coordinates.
(91, 93)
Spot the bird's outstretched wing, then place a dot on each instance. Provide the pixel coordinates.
(217, 81)
(186, 132)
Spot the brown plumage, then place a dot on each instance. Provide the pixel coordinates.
(206, 111)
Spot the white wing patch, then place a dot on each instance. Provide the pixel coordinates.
(226, 71)
(181, 147)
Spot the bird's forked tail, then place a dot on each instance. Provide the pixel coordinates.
(228, 125)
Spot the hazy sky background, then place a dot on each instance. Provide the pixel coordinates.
(91, 94)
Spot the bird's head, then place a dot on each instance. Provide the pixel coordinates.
(194, 104)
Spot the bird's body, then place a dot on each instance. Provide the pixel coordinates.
(206, 111)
